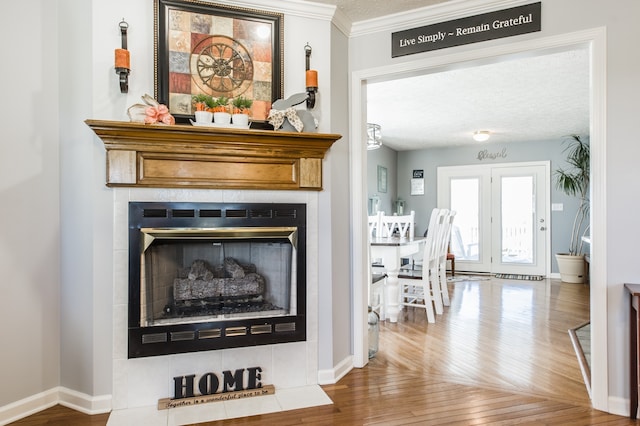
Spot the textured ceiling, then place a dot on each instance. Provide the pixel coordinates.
(537, 98)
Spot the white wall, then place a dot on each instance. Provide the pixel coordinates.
(619, 150)
(109, 104)
(29, 201)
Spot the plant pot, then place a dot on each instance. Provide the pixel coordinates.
(240, 120)
(221, 117)
(571, 268)
(203, 116)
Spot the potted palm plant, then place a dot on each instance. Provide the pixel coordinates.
(574, 181)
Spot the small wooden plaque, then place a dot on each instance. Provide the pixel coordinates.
(166, 403)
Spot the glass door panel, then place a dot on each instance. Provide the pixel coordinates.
(465, 201)
(517, 211)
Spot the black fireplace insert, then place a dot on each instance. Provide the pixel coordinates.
(207, 276)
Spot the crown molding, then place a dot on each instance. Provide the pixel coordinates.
(440, 12)
(300, 8)
(342, 22)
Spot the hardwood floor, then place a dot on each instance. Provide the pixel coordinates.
(62, 416)
(500, 355)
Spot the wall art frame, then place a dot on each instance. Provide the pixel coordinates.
(217, 50)
(382, 179)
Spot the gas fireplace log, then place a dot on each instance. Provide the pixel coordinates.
(201, 283)
(233, 268)
(199, 270)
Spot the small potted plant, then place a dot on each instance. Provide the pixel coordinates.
(221, 114)
(241, 111)
(575, 182)
(204, 108)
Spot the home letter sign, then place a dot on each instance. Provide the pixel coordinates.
(241, 383)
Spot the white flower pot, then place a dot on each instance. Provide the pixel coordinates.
(221, 117)
(203, 116)
(240, 119)
(571, 268)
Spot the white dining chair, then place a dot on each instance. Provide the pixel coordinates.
(432, 265)
(377, 272)
(442, 257)
(416, 285)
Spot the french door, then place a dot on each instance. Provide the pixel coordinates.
(501, 221)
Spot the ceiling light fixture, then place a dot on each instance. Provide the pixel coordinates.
(481, 135)
(374, 136)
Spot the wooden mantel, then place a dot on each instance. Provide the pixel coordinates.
(185, 156)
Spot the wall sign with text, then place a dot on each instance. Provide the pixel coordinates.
(417, 182)
(487, 26)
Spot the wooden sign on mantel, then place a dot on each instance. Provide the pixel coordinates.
(182, 156)
(166, 403)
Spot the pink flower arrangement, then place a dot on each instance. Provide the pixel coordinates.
(158, 114)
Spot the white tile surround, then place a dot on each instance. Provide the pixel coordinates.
(139, 383)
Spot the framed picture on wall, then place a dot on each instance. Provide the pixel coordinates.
(417, 182)
(216, 50)
(382, 179)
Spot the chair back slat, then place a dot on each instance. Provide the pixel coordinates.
(404, 225)
(375, 225)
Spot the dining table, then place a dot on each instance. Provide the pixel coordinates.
(389, 251)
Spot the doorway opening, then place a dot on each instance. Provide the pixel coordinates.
(594, 40)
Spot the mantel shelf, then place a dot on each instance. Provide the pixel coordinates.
(183, 156)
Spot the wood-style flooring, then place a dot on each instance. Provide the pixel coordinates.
(499, 355)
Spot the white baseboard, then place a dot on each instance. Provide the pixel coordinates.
(84, 403)
(555, 275)
(329, 377)
(619, 406)
(59, 395)
(28, 406)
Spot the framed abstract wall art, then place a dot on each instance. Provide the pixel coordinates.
(220, 51)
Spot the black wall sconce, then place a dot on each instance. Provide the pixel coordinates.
(123, 64)
(311, 79)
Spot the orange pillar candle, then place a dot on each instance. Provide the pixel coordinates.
(312, 78)
(122, 59)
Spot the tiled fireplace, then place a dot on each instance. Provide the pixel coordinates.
(141, 379)
(291, 367)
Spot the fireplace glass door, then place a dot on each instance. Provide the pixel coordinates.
(200, 275)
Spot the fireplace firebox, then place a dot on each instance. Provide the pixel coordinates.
(207, 276)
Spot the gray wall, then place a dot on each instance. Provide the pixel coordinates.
(334, 291)
(385, 157)
(430, 159)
